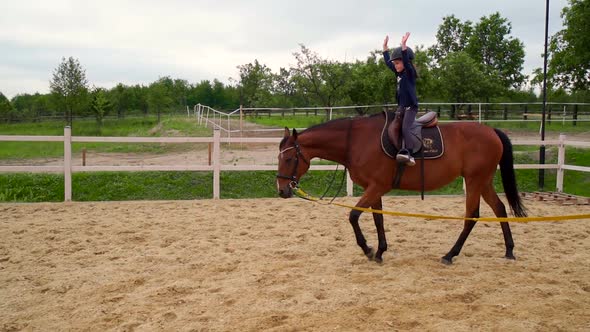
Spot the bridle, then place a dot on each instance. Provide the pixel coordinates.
(294, 182)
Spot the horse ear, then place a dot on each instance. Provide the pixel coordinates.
(286, 132)
(294, 133)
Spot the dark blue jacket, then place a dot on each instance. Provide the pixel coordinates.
(406, 85)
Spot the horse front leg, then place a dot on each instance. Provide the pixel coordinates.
(353, 217)
(378, 218)
(369, 199)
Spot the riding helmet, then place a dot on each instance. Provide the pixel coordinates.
(397, 53)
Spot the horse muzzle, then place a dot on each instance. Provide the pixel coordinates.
(286, 192)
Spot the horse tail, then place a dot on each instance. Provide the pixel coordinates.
(508, 176)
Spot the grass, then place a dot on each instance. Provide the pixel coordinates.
(142, 127)
(119, 186)
(290, 121)
(115, 186)
(27, 187)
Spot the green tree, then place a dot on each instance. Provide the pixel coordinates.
(462, 79)
(6, 109)
(256, 82)
(370, 82)
(218, 94)
(487, 42)
(139, 99)
(452, 36)
(426, 83)
(43, 105)
(202, 93)
(70, 86)
(490, 43)
(180, 89)
(569, 66)
(121, 98)
(159, 96)
(319, 78)
(285, 90)
(100, 105)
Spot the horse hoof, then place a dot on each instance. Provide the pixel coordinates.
(379, 260)
(511, 257)
(446, 261)
(370, 253)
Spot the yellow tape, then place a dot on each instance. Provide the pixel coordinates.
(299, 192)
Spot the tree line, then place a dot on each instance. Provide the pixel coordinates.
(470, 62)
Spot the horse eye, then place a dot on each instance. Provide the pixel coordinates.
(289, 159)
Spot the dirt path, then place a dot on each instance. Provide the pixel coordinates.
(284, 265)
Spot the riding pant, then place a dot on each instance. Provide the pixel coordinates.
(409, 114)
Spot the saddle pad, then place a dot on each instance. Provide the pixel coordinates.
(432, 144)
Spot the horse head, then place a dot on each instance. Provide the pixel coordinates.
(292, 164)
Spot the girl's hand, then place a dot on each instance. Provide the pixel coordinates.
(385, 43)
(404, 39)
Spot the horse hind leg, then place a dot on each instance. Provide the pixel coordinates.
(491, 198)
(456, 249)
(471, 211)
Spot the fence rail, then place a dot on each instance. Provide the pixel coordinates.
(576, 113)
(217, 167)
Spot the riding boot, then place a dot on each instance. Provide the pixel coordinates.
(404, 156)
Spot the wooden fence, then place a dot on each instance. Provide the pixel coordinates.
(217, 167)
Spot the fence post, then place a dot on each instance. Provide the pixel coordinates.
(526, 112)
(505, 114)
(68, 163)
(241, 119)
(349, 185)
(216, 162)
(481, 114)
(575, 114)
(560, 162)
(464, 186)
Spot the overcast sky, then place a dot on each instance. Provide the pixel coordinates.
(138, 41)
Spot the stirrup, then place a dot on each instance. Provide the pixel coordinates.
(404, 157)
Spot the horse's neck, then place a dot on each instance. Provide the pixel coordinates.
(328, 144)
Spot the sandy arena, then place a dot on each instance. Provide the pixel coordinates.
(284, 265)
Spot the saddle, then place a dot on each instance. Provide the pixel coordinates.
(426, 136)
(427, 139)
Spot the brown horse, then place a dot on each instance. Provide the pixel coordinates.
(473, 151)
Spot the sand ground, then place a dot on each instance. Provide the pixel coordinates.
(284, 265)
